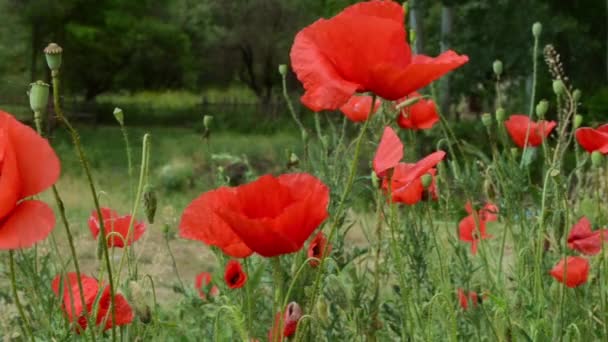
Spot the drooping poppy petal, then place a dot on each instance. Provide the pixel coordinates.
(202, 282)
(584, 240)
(406, 184)
(116, 227)
(358, 108)
(363, 48)
(318, 248)
(519, 126)
(571, 271)
(420, 115)
(234, 275)
(593, 139)
(30, 222)
(389, 152)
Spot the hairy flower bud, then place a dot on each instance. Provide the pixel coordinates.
(576, 94)
(497, 67)
(559, 87)
(486, 119)
(119, 116)
(150, 202)
(597, 158)
(578, 120)
(500, 115)
(53, 54)
(39, 96)
(537, 29)
(541, 108)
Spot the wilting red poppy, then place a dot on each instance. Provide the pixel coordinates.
(116, 227)
(90, 286)
(519, 125)
(464, 299)
(593, 139)
(358, 108)
(316, 248)
(28, 165)
(289, 320)
(234, 275)
(584, 240)
(420, 115)
(471, 232)
(202, 282)
(363, 48)
(572, 271)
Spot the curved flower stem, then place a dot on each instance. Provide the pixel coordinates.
(26, 324)
(85, 166)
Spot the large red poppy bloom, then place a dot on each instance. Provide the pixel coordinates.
(420, 115)
(289, 320)
(201, 283)
(358, 108)
(317, 246)
(593, 139)
(270, 216)
(518, 126)
(472, 232)
(234, 275)
(116, 227)
(584, 240)
(363, 48)
(572, 271)
(91, 287)
(28, 165)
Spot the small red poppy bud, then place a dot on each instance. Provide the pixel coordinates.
(541, 108)
(234, 276)
(497, 67)
(318, 248)
(597, 159)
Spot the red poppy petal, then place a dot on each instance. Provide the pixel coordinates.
(381, 9)
(358, 108)
(421, 167)
(37, 162)
(580, 230)
(591, 245)
(421, 115)
(592, 140)
(106, 214)
(71, 292)
(10, 181)
(264, 197)
(603, 128)
(572, 271)
(123, 312)
(28, 223)
(409, 194)
(389, 152)
(234, 276)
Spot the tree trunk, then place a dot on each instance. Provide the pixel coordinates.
(416, 24)
(447, 16)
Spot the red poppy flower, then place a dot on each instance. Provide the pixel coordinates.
(471, 232)
(593, 139)
(572, 271)
(518, 126)
(202, 282)
(363, 48)
(117, 227)
(90, 286)
(289, 320)
(464, 299)
(234, 276)
(358, 108)
(28, 166)
(316, 248)
(420, 115)
(389, 152)
(584, 240)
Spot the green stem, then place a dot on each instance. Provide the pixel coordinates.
(295, 117)
(125, 136)
(26, 324)
(532, 97)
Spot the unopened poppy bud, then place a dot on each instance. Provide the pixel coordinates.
(541, 108)
(375, 180)
(142, 310)
(39, 96)
(150, 202)
(486, 119)
(558, 87)
(576, 94)
(514, 152)
(500, 115)
(321, 310)
(119, 116)
(537, 29)
(497, 67)
(578, 120)
(207, 121)
(293, 312)
(554, 173)
(53, 56)
(597, 158)
(282, 69)
(426, 180)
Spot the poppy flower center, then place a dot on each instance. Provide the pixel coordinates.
(235, 278)
(316, 250)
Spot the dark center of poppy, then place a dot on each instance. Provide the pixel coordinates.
(235, 278)
(316, 249)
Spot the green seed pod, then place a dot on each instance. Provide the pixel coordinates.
(541, 108)
(150, 202)
(578, 120)
(426, 180)
(597, 159)
(283, 69)
(500, 115)
(559, 87)
(53, 54)
(486, 119)
(537, 29)
(39, 96)
(497, 67)
(576, 94)
(119, 116)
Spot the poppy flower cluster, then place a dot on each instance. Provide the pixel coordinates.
(527, 133)
(269, 216)
(96, 295)
(593, 139)
(202, 284)
(403, 180)
(472, 228)
(363, 49)
(418, 116)
(116, 227)
(28, 166)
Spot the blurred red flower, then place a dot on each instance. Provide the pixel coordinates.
(28, 166)
(363, 48)
(471, 232)
(584, 240)
(289, 320)
(420, 115)
(316, 248)
(116, 227)
(572, 271)
(91, 287)
(234, 276)
(593, 139)
(202, 282)
(519, 125)
(358, 108)
(464, 299)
